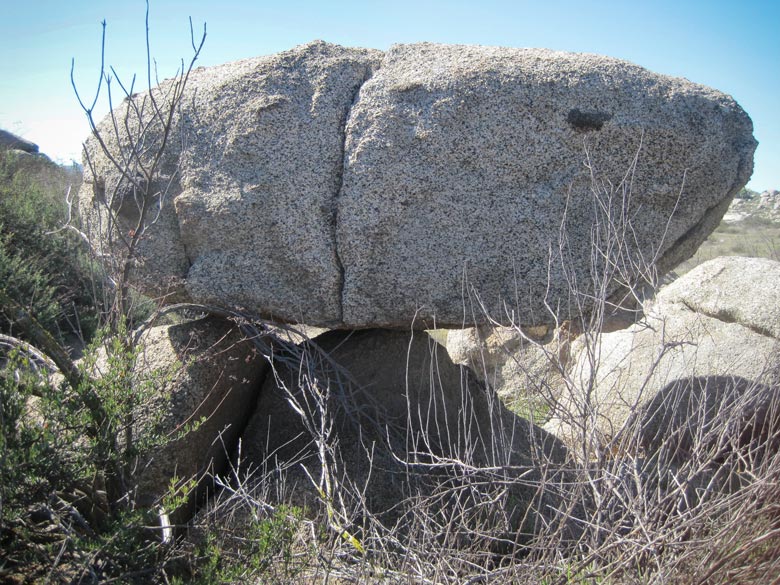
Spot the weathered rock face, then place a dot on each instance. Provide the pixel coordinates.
(398, 417)
(351, 188)
(462, 162)
(719, 322)
(249, 213)
(514, 364)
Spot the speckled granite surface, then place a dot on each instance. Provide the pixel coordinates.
(354, 188)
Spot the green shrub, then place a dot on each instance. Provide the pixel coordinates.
(68, 451)
(34, 470)
(31, 466)
(746, 193)
(44, 267)
(24, 281)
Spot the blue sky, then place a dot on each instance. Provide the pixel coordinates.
(732, 46)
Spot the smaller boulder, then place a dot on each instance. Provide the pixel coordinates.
(721, 321)
(512, 362)
(718, 416)
(201, 379)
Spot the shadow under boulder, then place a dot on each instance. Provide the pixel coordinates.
(711, 418)
(381, 427)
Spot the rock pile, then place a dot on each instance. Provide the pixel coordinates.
(433, 185)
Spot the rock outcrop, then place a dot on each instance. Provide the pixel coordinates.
(516, 364)
(708, 343)
(10, 141)
(351, 188)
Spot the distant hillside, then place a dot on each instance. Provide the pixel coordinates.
(43, 267)
(751, 227)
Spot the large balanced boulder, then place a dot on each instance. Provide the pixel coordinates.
(706, 349)
(351, 188)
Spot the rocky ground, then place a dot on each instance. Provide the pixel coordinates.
(765, 206)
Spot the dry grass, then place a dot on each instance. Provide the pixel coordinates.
(755, 236)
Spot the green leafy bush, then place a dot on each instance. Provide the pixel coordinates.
(67, 459)
(43, 266)
(746, 193)
(35, 470)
